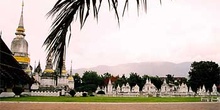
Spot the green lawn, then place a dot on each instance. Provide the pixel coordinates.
(103, 99)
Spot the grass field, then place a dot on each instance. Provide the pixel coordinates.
(102, 99)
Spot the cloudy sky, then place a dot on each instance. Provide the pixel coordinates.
(176, 31)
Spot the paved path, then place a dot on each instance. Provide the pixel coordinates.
(107, 106)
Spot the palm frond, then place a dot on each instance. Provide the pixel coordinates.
(65, 11)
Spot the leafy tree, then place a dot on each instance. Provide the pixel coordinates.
(124, 79)
(77, 81)
(141, 82)
(157, 82)
(119, 82)
(180, 81)
(72, 93)
(170, 79)
(133, 79)
(107, 75)
(90, 81)
(18, 90)
(101, 81)
(66, 11)
(204, 73)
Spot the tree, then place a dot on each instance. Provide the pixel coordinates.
(141, 82)
(107, 75)
(90, 81)
(170, 79)
(66, 11)
(124, 79)
(203, 73)
(119, 82)
(77, 81)
(133, 79)
(157, 82)
(101, 81)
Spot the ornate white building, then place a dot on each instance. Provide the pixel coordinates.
(47, 78)
(19, 46)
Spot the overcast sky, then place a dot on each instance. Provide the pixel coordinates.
(177, 31)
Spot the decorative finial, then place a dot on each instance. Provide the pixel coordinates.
(20, 30)
(22, 6)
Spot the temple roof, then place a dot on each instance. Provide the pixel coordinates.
(10, 70)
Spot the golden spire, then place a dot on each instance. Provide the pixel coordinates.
(70, 78)
(49, 65)
(20, 30)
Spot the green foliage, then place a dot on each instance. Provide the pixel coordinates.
(72, 93)
(157, 82)
(90, 81)
(90, 77)
(204, 73)
(89, 87)
(133, 79)
(107, 75)
(124, 79)
(84, 94)
(141, 82)
(119, 82)
(101, 81)
(77, 82)
(17, 90)
(170, 79)
(100, 92)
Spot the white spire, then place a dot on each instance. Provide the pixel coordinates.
(71, 69)
(20, 30)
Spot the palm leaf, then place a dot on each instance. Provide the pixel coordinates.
(65, 11)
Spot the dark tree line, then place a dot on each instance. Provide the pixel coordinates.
(205, 73)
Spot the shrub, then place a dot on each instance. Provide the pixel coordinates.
(17, 90)
(100, 92)
(84, 94)
(72, 93)
(92, 95)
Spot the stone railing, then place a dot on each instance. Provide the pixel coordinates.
(45, 93)
(7, 94)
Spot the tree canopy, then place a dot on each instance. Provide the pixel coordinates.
(205, 73)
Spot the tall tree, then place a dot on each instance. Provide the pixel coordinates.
(90, 81)
(65, 11)
(77, 81)
(133, 79)
(141, 82)
(204, 73)
(170, 79)
(157, 82)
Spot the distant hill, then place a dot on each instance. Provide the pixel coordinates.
(148, 68)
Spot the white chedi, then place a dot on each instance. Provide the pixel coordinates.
(109, 87)
(183, 88)
(149, 87)
(135, 88)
